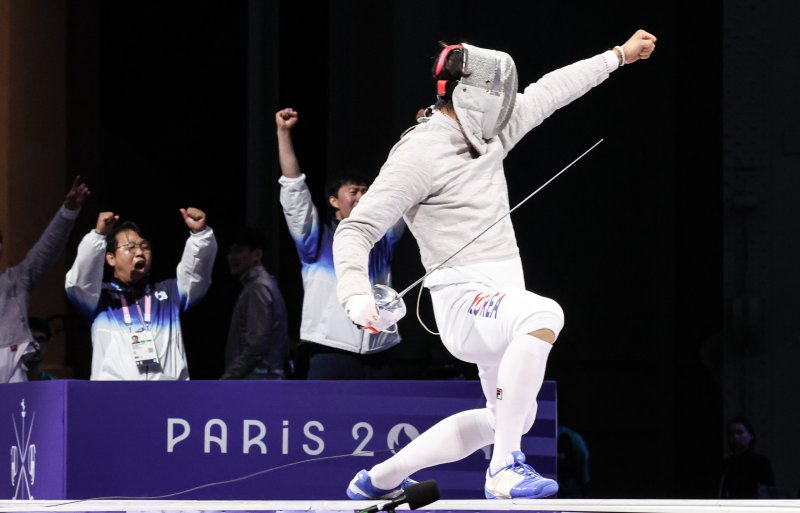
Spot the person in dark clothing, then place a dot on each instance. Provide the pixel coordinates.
(746, 474)
(33, 360)
(573, 464)
(258, 341)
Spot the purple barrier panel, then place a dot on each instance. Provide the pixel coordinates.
(32, 434)
(267, 440)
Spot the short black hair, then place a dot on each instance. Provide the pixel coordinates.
(248, 236)
(335, 183)
(111, 238)
(744, 421)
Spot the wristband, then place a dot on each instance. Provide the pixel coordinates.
(620, 55)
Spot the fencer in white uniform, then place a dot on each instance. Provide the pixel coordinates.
(446, 179)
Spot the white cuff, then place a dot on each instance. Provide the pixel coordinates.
(286, 180)
(611, 60)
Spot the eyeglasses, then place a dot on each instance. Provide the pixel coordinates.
(130, 247)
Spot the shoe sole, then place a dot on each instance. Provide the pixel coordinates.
(548, 491)
(357, 494)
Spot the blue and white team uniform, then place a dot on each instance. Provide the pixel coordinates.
(324, 321)
(119, 312)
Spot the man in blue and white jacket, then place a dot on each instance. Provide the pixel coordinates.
(136, 330)
(339, 349)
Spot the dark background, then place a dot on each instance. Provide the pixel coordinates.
(644, 243)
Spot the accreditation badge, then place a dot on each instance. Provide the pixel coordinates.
(144, 348)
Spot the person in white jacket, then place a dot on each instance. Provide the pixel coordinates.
(337, 349)
(136, 328)
(446, 179)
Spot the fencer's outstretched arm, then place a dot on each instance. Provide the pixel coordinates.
(285, 120)
(561, 87)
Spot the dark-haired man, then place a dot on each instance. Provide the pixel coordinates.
(258, 341)
(339, 350)
(136, 329)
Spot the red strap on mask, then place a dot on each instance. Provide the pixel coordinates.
(443, 58)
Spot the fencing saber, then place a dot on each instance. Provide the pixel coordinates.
(391, 306)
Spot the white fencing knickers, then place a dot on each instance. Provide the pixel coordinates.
(478, 318)
(480, 309)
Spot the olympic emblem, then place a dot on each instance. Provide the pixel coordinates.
(23, 457)
(400, 435)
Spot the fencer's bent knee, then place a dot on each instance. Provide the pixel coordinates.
(544, 334)
(545, 320)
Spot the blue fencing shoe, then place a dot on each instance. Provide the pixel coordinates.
(361, 488)
(518, 481)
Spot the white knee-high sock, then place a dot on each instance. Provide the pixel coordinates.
(519, 379)
(451, 439)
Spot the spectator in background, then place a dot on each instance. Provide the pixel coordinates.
(573, 464)
(258, 340)
(33, 360)
(338, 349)
(17, 282)
(746, 474)
(131, 305)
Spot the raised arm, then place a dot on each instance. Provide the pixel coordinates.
(563, 86)
(44, 254)
(285, 120)
(197, 262)
(301, 215)
(85, 279)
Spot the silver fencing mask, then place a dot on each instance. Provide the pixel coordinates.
(485, 95)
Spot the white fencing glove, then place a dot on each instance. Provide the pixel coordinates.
(362, 309)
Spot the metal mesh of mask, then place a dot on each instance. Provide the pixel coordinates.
(494, 73)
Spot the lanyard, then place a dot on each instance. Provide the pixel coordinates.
(126, 312)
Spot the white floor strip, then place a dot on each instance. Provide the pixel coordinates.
(543, 505)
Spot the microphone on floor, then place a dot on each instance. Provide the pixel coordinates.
(416, 496)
